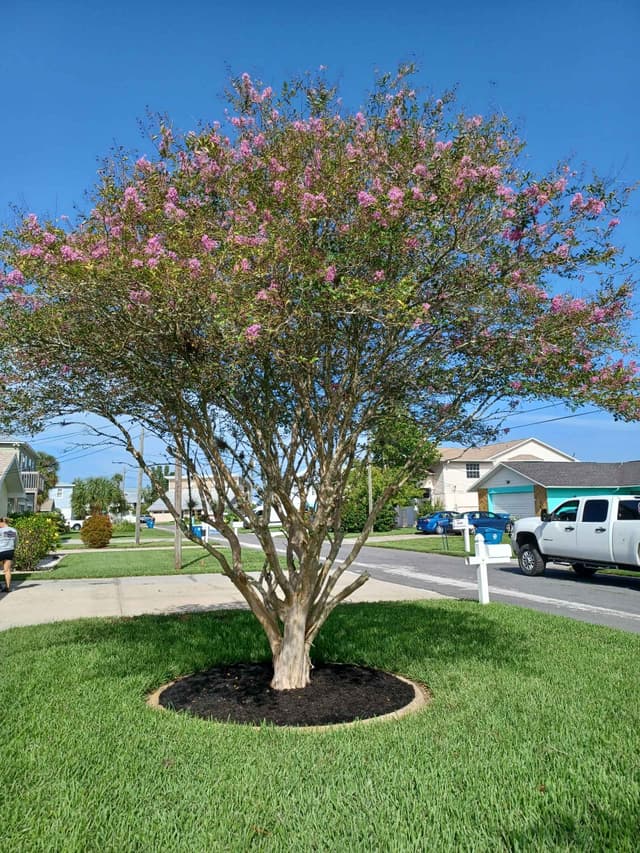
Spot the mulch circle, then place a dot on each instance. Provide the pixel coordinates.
(338, 694)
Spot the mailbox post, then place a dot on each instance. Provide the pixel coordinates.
(484, 555)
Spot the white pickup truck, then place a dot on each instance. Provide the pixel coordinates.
(591, 532)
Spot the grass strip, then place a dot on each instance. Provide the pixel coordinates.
(530, 742)
(136, 563)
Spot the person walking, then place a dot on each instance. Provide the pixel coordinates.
(8, 542)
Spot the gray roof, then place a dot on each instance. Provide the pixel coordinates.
(579, 474)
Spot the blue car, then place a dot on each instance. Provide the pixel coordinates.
(436, 522)
(480, 519)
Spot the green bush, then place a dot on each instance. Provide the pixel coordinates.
(37, 537)
(124, 527)
(97, 531)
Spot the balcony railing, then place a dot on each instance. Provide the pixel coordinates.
(32, 481)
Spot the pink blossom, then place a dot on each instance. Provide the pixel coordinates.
(143, 165)
(71, 254)
(100, 250)
(417, 194)
(505, 193)
(208, 244)
(594, 206)
(262, 295)
(365, 199)
(245, 266)
(48, 238)
(577, 201)
(614, 222)
(420, 170)
(330, 274)
(516, 384)
(396, 195)
(154, 245)
(411, 242)
(32, 252)
(194, 266)
(14, 279)
(508, 213)
(136, 262)
(426, 306)
(560, 185)
(562, 251)
(152, 263)
(252, 332)
(279, 187)
(311, 203)
(139, 297)
(378, 275)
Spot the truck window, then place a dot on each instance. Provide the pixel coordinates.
(629, 510)
(565, 512)
(595, 510)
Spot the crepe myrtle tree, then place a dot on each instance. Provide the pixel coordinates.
(263, 293)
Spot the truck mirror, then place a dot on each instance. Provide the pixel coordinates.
(544, 515)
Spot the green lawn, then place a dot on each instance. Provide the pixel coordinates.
(451, 545)
(132, 563)
(531, 741)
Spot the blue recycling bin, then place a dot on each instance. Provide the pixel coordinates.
(150, 522)
(491, 535)
(196, 529)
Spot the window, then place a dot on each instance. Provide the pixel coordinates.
(473, 470)
(595, 511)
(566, 512)
(629, 510)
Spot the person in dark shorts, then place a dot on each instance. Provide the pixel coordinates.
(8, 542)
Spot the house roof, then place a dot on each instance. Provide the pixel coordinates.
(617, 475)
(489, 452)
(7, 441)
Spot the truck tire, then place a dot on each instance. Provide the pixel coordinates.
(530, 560)
(583, 571)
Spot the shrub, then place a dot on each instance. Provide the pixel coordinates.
(124, 527)
(37, 537)
(97, 531)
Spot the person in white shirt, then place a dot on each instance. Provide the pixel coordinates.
(8, 542)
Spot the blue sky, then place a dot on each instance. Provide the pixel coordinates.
(76, 77)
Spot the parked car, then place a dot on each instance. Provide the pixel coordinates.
(480, 519)
(436, 522)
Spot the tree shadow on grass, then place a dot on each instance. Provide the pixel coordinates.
(395, 636)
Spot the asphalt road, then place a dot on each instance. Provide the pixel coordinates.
(602, 600)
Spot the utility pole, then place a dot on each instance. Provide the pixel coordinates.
(139, 488)
(177, 502)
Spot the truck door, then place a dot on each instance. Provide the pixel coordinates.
(594, 537)
(559, 535)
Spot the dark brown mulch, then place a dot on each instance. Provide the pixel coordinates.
(240, 693)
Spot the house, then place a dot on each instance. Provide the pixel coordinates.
(12, 495)
(452, 481)
(524, 488)
(60, 494)
(32, 481)
(191, 503)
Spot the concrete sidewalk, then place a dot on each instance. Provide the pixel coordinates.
(32, 602)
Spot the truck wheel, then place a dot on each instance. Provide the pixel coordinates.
(583, 571)
(530, 560)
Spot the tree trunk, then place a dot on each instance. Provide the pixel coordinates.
(291, 663)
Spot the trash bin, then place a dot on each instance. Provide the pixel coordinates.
(150, 522)
(196, 529)
(491, 535)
